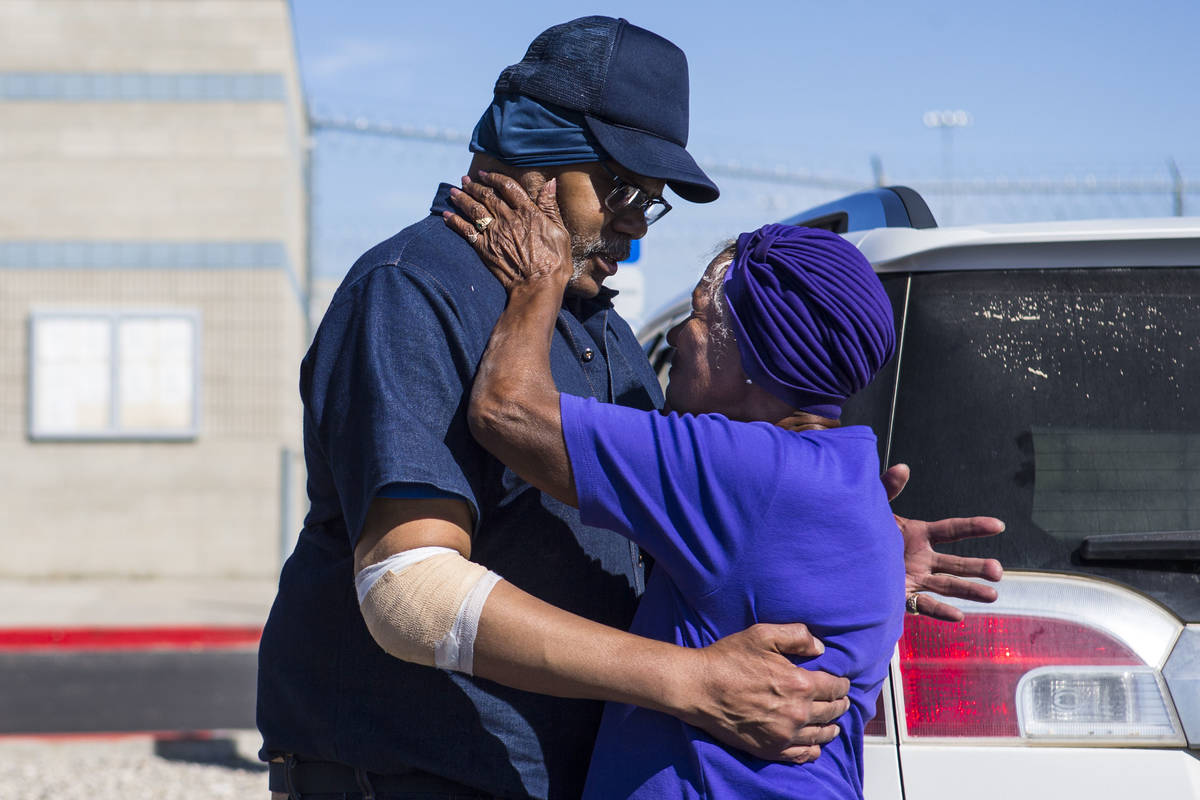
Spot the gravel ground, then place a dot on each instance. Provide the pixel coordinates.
(137, 767)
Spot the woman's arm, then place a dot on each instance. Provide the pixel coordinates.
(514, 410)
(742, 689)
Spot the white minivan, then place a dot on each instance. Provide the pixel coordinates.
(1047, 374)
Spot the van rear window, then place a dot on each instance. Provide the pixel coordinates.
(1066, 402)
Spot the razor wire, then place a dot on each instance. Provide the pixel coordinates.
(370, 178)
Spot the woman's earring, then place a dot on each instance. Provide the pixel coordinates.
(749, 381)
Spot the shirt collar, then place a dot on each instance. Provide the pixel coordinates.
(441, 200)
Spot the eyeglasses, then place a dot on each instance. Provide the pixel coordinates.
(625, 196)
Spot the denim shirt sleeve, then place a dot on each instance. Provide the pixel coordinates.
(386, 384)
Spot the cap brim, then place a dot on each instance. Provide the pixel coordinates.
(654, 157)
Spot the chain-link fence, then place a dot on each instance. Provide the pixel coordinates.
(371, 178)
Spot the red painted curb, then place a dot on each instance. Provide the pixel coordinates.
(90, 736)
(181, 638)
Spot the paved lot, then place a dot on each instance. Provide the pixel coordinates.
(119, 769)
(157, 690)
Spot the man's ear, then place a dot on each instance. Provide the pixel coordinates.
(532, 181)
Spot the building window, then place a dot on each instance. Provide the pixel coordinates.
(114, 374)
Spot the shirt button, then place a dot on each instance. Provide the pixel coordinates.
(588, 355)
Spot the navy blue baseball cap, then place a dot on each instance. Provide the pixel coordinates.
(631, 86)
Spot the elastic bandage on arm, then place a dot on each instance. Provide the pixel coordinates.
(423, 605)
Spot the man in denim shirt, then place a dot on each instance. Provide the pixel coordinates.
(599, 107)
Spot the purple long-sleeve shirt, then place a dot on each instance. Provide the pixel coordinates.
(747, 523)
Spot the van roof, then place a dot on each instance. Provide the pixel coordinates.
(1131, 243)
(1168, 241)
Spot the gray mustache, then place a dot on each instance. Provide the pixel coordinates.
(616, 249)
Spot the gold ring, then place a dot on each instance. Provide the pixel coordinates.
(482, 223)
(911, 603)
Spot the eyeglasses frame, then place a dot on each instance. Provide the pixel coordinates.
(640, 199)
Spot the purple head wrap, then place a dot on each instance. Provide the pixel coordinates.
(812, 321)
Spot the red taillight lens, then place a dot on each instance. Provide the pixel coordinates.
(961, 679)
(878, 724)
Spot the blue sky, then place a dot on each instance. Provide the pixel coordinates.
(1054, 89)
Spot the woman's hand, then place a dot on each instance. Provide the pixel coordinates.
(524, 242)
(514, 411)
(927, 570)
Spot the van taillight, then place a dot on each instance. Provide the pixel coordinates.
(961, 679)
(1039, 668)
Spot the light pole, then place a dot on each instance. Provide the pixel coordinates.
(947, 121)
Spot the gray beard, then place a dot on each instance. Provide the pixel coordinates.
(579, 265)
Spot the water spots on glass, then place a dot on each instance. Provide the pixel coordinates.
(1051, 336)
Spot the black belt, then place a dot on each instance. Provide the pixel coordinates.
(295, 777)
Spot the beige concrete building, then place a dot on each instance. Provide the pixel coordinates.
(152, 230)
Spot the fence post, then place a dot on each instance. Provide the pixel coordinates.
(877, 170)
(1176, 185)
(287, 528)
(310, 151)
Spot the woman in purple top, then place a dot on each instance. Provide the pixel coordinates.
(754, 503)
